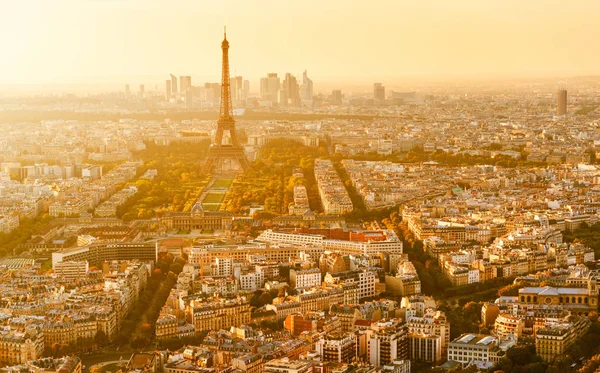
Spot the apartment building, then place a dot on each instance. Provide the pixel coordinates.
(387, 341)
(217, 313)
(425, 347)
(338, 347)
(556, 339)
(365, 279)
(304, 279)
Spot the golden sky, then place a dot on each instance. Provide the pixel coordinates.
(58, 41)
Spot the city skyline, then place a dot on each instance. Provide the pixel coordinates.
(394, 41)
(306, 190)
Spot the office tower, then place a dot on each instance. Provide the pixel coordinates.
(127, 90)
(246, 89)
(168, 90)
(237, 85)
(185, 82)
(142, 91)
(174, 90)
(379, 91)
(264, 88)
(336, 97)
(269, 87)
(218, 152)
(189, 98)
(290, 92)
(212, 92)
(306, 93)
(561, 101)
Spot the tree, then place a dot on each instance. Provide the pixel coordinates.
(177, 268)
(265, 298)
(282, 291)
(101, 338)
(56, 349)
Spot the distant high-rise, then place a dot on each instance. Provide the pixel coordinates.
(142, 90)
(336, 97)
(290, 91)
(306, 91)
(246, 89)
(269, 87)
(237, 86)
(127, 90)
(212, 92)
(561, 101)
(189, 98)
(379, 91)
(185, 82)
(168, 89)
(174, 84)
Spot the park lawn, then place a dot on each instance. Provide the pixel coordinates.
(47, 265)
(222, 183)
(214, 198)
(211, 207)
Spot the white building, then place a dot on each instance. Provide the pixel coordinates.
(305, 279)
(251, 281)
(471, 347)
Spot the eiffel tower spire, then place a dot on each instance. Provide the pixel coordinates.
(219, 151)
(226, 112)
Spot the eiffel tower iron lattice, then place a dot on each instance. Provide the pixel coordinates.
(219, 152)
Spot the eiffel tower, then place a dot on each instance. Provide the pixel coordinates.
(219, 152)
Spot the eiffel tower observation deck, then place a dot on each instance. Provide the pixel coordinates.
(222, 155)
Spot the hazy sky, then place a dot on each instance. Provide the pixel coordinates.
(68, 41)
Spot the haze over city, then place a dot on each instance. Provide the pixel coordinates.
(107, 42)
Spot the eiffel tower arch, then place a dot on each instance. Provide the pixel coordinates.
(219, 153)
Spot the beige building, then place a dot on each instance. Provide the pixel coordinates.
(304, 279)
(214, 314)
(18, 347)
(197, 218)
(507, 325)
(555, 340)
(425, 347)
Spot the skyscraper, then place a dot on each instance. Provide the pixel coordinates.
(174, 84)
(237, 86)
(336, 97)
(561, 101)
(168, 89)
(290, 91)
(212, 92)
(127, 90)
(379, 91)
(185, 82)
(269, 88)
(306, 92)
(189, 98)
(246, 89)
(142, 91)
